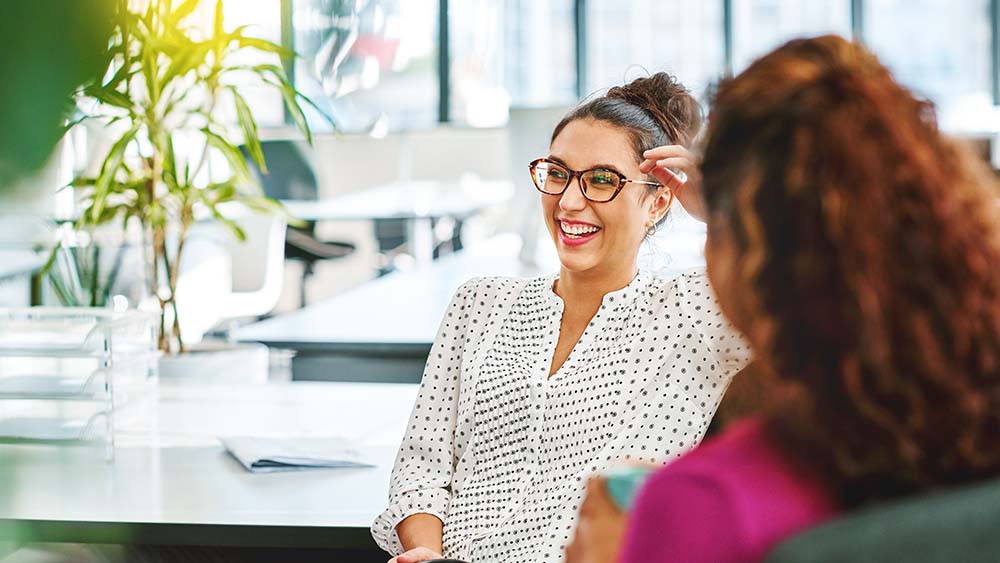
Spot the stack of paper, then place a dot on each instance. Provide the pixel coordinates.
(265, 455)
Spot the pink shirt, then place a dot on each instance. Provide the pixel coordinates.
(732, 499)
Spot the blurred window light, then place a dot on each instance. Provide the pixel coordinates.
(626, 40)
(262, 19)
(509, 53)
(368, 64)
(939, 48)
(762, 25)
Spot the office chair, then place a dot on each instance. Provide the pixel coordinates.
(291, 177)
(959, 524)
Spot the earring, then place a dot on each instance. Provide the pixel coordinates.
(651, 230)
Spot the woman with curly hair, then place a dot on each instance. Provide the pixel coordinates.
(858, 249)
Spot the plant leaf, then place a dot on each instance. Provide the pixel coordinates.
(109, 168)
(264, 45)
(182, 11)
(232, 155)
(184, 61)
(109, 96)
(251, 139)
(218, 19)
(233, 226)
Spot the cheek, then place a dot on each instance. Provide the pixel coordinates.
(549, 203)
(549, 206)
(627, 221)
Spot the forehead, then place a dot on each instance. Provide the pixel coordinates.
(584, 143)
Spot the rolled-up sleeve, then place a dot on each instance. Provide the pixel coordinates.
(422, 475)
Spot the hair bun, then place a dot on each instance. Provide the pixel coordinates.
(667, 101)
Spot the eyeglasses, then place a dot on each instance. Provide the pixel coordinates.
(597, 184)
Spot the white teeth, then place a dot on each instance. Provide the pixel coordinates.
(578, 229)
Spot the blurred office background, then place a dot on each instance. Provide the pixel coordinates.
(426, 115)
(464, 92)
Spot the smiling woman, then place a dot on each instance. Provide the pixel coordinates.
(534, 385)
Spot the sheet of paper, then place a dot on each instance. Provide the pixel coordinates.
(269, 454)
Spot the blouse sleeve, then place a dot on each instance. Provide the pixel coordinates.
(422, 474)
(719, 337)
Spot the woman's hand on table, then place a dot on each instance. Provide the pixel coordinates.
(663, 162)
(416, 555)
(600, 529)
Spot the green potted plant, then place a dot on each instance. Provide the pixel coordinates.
(166, 79)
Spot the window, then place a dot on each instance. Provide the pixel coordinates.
(510, 53)
(262, 19)
(762, 25)
(357, 57)
(626, 40)
(939, 48)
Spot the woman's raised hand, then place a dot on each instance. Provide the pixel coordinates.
(663, 162)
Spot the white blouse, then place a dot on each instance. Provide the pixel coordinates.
(501, 453)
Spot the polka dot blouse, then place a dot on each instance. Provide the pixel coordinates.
(500, 452)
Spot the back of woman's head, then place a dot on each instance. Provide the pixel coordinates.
(655, 110)
(867, 249)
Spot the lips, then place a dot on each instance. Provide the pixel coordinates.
(575, 233)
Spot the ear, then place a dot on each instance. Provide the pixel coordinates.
(660, 204)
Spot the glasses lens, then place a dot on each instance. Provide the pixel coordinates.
(550, 178)
(600, 185)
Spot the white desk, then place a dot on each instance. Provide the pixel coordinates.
(406, 200)
(172, 483)
(383, 329)
(418, 203)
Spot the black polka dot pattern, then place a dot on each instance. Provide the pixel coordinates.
(500, 452)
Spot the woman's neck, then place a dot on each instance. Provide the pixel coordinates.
(586, 289)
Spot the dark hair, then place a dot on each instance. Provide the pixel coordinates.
(655, 110)
(867, 266)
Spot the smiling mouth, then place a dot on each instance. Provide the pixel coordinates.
(577, 230)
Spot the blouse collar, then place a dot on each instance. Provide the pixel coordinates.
(612, 300)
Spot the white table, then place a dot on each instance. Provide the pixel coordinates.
(418, 203)
(172, 482)
(383, 329)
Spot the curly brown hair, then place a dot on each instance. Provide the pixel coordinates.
(868, 255)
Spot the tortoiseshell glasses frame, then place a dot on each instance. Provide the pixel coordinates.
(599, 185)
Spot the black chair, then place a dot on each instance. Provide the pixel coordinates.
(291, 177)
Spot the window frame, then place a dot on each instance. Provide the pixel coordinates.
(443, 69)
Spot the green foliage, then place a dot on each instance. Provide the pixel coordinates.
(166, 78)
(50, 47)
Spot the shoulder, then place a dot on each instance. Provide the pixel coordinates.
(498, 287)
(741, 484)
(688, 293)
(691, 281)
(482, 295)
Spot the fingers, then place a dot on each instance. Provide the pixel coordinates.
(668, 178)
(668, 151)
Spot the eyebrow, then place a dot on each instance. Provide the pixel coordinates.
(607, 166)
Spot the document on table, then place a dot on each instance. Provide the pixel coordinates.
(267, 455)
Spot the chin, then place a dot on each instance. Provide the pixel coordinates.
(576, 263)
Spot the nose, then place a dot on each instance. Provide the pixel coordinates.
(572, 199)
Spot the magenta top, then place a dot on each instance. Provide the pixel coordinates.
(732, 499)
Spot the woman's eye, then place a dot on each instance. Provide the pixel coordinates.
(557, 174)
(602, 179)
